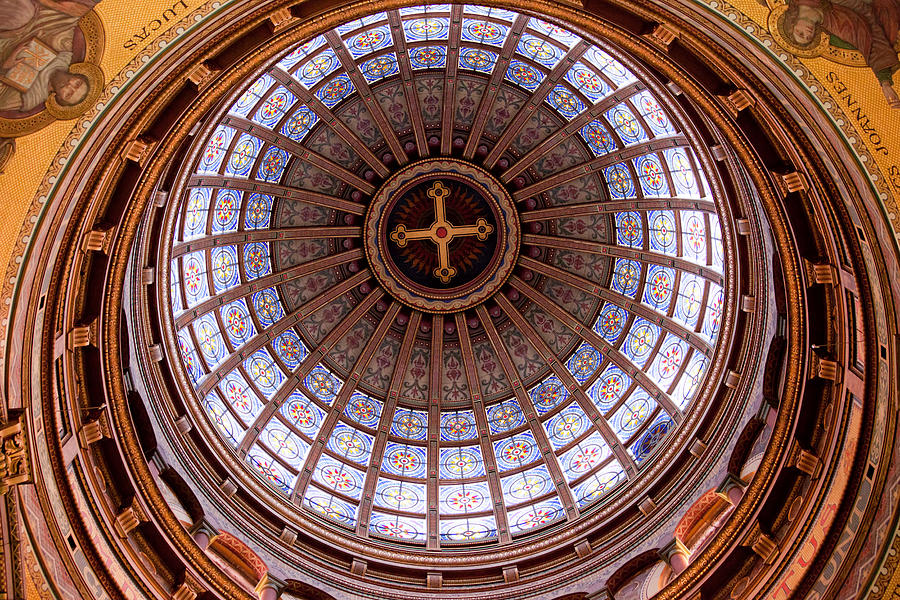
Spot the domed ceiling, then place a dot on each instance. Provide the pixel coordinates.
(446, 275)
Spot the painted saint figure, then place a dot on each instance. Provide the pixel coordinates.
(869, 26)
(36, 46)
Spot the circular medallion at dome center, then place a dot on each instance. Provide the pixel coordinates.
(442, 235)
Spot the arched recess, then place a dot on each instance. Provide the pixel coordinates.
(623, 579)
(237, 560)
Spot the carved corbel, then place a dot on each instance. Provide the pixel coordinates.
(82, 335)
(15, 467)
(129, 518)
(762, 544)
(97, 240)
(94, 431)
(189, 589)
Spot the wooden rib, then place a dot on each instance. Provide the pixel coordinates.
(267, 235)
(279, 191)
(448, 108)
(607, 295)
(569, 383)
(325, 114)
(540, 435)
(315, 356)
(481, 421)
(595, 208)
(597, 164)
(368, 98)
(248, 287)
(265, 336)
(347, 390)
(384, 423)
(300, 151)
(490, 92)
(591, 337)
(567, 243)
(570, 128)
(434, 420)
(537, 97)
(409, 84)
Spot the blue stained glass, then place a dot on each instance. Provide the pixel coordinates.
(190, 358)
(317, 68)
(586, 81)
(225, 270)
(482, 31)
(430, 9)
(376, 69)
(539, 50)
(618, 178)
(267, 375)
(350, 443)
(584, 457)
(651, 175)
(516, 451)
(405, 460)
(257, 261)
(302, 51)
(267, 306)
(400, 495)
(626, 277)
(216, 148)
(426, 28)
(361, 22)
(238, 394)
(468, 529)
(245, 152)
(712, 318)
(258, 213)
(682, 172)
(323, 384)
(330, 507)
(524, 75)
(693, 233)
(252, 95)
(584, 362)
(659, 288)
(477, 59)
(567, 426)
(284, 444)
(611, 322)
(300, 123)
(339, 477)
(228, 207)
(270, 470)
(369, 41)
(718, 248)
(560, 34)
(196, 213)
(526, 486)
(549, 394)
(227, 426)
(535, 517)
(598, 138)
(290, 349)
(629, 230)
(175, 287)
(690, 380)
(663, 236)
(409, 424)
(609, 66)
(237, 322)
(460, 463)
(428, 57)
(668, 361)
(364, 410)
(401, 528)
(505, 416)
(334, 91)
(271, 167)
(196, 288)
(303, 414)
(640, 341)
(565, 102)
(609, 388)
(690, 299)
(633, 413)
(497, 13)
(599, 483)
(653, 114)
(464, 498)
(458, 425)
(275, 107)
(626, 125)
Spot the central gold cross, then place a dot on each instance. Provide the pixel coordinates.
(441, 232)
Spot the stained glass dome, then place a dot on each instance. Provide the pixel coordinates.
(447, 275)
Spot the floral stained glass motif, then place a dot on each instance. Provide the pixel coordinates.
(693, 233)
(339, 477)
(238, 394)
(330, 506)
(464, 498)
(275, 107)
(193, 275)
(598, 138)
(560, 34)
(659, 288)
(539, 50)
(505, 416)
(426, 28)
(668, 361)
(258, 213)
(567, 426)
(516, 451)
(283, 444)
(690, 381)
(565, 102)
(369, 41)
(392, 526)
(651, 175)
(364, 410)
(460, 463)
(257, 262)
(652, 113)
(629, 231)
(380, 67)
(458, 425)
(196, 213)
(222, 419)
(264, 372)
(609, 66)
(651, 438)
(237, 322)
(619, 181)
(626, 277)
(323, 384)
(303, 414)
(299, 124)
(351, 444)
(225, 271)
(712, 319)
(300, 52)
(335, 90)
(584, 457)
(267, 307)
(594, 487)
(477, 59)
(633, 413)
(524, 75)
(484, 32)
(410, 424)
(216, 149)
(586, 81)
(428, 57)
(468, 529)
(270, 470)
(393, 494)
(272, 165)
(533, 517)
(663, 235)
(584, 362)
(189, 356)
(690, 299)
(626, 125)
(251, 96)
(405, 460)
(640, 341)
(527, 486)
(611, 322)
(243, 156)
(682, 172)
(209, 340)
(226, 211)
(549, 394)
(610, 387)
